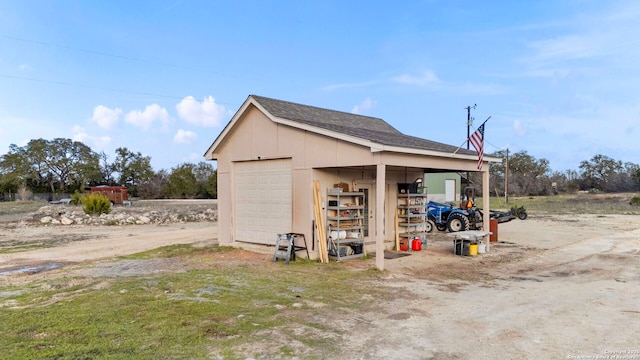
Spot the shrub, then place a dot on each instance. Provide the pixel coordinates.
(96, 204)
(76, 198)
(635, 200)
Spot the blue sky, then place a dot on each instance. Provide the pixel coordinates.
(560, 79)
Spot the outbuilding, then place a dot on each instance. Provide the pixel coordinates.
(272, 152)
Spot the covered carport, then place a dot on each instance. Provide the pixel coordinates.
(460, 163)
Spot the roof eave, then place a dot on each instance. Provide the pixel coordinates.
(406, 150)
(249, 101)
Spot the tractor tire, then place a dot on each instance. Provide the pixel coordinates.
(429, 226)
(441, 227)
(457, 222)
(522, 215)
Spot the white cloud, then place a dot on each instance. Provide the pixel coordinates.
(25, 67)
(367, 104)
(79, 134)
(519, 127)
(184, 137)
(145, 119)
(207, 113)
(427, 77)
(106, 118)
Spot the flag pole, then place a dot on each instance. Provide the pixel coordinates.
(467, 141)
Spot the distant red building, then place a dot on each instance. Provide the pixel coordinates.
(118, 195)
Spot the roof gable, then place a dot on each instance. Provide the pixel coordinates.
(364, 130)
(364, 127)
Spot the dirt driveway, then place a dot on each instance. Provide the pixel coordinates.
(552, 287)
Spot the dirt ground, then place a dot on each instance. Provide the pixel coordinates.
(552, 287)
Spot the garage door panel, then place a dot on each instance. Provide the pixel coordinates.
(263, 200)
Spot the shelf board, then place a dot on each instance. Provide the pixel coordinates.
(350, 207)
(354, 256)
(408, 235)
(344, 218)
(341, 194)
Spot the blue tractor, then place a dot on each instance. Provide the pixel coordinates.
(466, 217)
(445, 217)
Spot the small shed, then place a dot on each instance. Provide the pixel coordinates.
(271, 152)
(443, 187)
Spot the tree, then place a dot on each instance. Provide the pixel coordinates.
(106, 169)
(14, 169)
(153, 188)
(182, 182)
(597, 172)
(133, 168)
(207, 177)
(59, 163)
(527, 175)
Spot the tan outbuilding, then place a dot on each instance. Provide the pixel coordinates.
(271, 152)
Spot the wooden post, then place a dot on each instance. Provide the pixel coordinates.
(381, 170)
(322, 236)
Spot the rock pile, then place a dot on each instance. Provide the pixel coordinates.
(70, 215)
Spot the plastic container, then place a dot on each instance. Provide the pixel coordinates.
(482, 248)
(473, 250)
(416, 244)
(404, 244)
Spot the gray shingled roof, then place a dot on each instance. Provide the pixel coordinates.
(364, 127)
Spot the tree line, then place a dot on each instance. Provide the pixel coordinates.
(64, 166)
(528, 176)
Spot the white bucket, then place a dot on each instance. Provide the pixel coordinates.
(482, 248)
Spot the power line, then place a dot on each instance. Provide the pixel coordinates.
(57, 82)
(95, 52)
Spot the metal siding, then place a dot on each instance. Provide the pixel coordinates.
(263, 200)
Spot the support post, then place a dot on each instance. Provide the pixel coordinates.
(506, 178)
(381, 180)
(485, 204)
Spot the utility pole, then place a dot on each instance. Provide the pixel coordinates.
(506, 178)
(469, 123)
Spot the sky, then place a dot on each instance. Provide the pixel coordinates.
(557, 79)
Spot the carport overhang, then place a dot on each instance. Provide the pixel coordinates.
(423, 161)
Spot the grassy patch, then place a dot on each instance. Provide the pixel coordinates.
(19, 207)
(174, 251)
(258, 310)
(13, 246)
(581, 203)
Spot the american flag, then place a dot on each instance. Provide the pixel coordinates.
(477, 140)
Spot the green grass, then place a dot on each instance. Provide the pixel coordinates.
(582, 203)
(172, 251)
(190, 315)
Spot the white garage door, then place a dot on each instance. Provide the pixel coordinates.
(263, 204)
